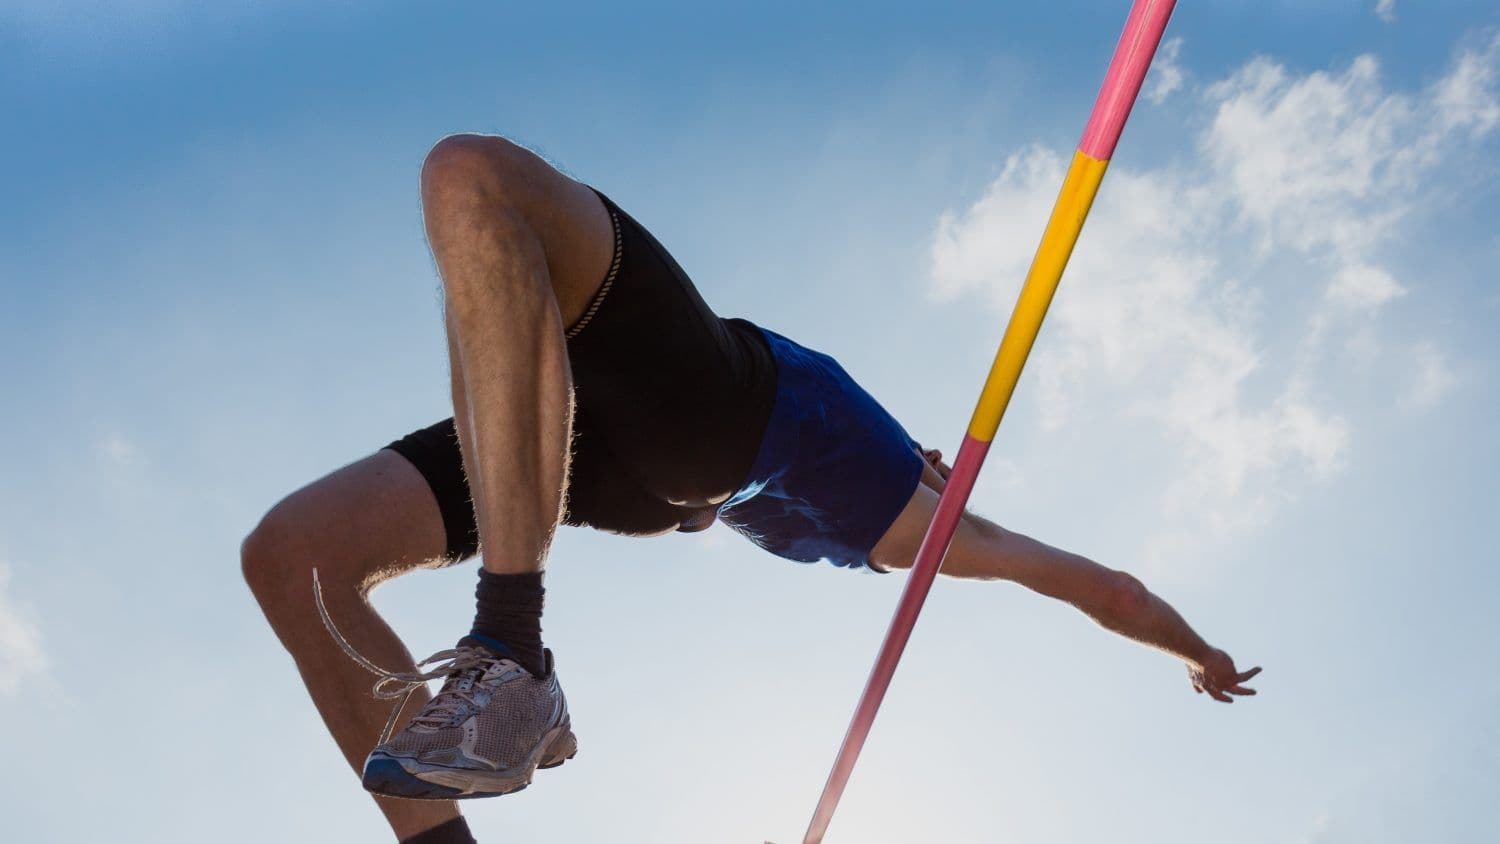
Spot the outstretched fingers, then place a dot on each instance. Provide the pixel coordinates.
(1238, 687)
(1205, 682)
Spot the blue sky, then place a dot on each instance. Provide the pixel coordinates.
(1267, 388)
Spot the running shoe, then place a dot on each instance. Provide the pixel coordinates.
(484, 734)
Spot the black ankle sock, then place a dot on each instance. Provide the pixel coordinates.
(455, 831)
(509, 611)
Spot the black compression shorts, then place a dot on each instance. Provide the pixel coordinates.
(671, 403)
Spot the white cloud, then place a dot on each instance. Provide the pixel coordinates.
(1386, 10)
(1363, 287)
(1431, 378)
(1167, 75)
(1317, 162)
(21, 654)
(1202, 294)
(1466, 97)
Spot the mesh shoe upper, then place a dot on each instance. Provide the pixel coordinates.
(490, 713)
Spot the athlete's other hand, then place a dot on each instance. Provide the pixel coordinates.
(1216, 675)
(935, 459)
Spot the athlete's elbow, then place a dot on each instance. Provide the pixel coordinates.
(1125, 596)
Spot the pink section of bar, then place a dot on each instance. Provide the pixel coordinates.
(1143, 31)
(924, 570)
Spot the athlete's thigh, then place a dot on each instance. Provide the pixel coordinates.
(370, 520)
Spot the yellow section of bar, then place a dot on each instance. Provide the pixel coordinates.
(1073, 203)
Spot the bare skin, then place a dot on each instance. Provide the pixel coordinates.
(360, 526)
(522, 249)
(376, 519)
(1118, 602)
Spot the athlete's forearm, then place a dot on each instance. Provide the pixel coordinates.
(1118, 602)
(1136, 613)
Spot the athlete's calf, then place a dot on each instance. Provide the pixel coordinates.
(359, 526)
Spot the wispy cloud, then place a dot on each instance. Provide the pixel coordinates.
(1207, 296)
(1386, 10)
(21, 655)
(1431, 378)
(1167, 74)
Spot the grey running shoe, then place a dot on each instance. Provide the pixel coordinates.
(484, 734)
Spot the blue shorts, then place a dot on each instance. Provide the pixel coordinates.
(834, 469)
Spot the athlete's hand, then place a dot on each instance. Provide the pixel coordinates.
(935, 458)
(1216, 675)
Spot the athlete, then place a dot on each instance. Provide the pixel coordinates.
(593, 386)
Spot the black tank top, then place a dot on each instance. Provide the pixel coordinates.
(681, 395)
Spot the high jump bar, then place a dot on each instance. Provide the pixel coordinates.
(1122, 85)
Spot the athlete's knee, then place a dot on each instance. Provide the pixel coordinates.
(487, 168)
(268, 555)
(277, 558)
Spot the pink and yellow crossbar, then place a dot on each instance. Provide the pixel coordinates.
(1127, 70)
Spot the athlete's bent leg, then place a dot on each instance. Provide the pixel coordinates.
(521, 249)
(363, 524)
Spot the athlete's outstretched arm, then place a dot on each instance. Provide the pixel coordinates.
(983, 550)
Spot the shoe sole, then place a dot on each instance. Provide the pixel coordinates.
(393, 776)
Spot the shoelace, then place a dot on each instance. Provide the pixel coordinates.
(401, 685)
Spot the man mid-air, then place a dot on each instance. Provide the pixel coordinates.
(593, 386)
